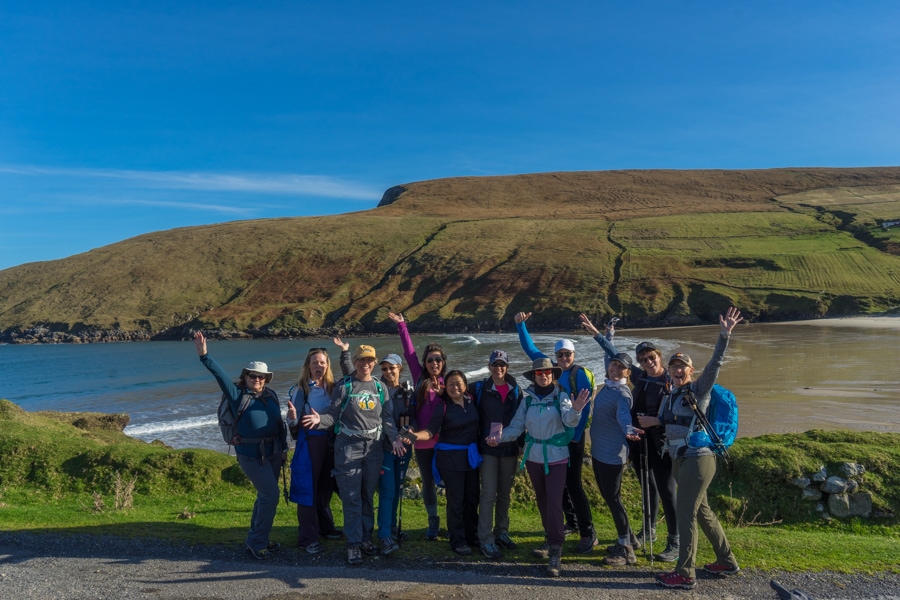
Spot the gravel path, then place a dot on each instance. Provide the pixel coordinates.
(45, 567)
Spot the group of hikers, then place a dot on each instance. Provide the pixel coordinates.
(356, 434)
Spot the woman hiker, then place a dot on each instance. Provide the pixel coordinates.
(547, 416)
(261, 441)
(456, 459)
(359, 412)
(428, 377)
(694, 468)
(498, 398)
(573, 379)
(611, 430)
(649, 380)
(312, 482)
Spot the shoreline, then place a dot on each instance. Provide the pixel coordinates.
(46, 335)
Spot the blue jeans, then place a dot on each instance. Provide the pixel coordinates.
(393, 470)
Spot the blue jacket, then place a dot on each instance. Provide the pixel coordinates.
(581, 380)
(262, 418)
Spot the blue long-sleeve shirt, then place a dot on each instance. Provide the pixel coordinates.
(581, 380)
(261, 419)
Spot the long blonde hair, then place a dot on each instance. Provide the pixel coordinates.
(306, 372)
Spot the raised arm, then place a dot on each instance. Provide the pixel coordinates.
(225, 384)
(346, 361)
(409, 351)
(525, 338)
(704, 384)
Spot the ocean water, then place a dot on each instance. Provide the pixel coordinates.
(787, 377)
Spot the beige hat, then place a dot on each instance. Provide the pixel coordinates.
(365, 352)
(258, 367)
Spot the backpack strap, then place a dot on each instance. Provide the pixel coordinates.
(560, 439)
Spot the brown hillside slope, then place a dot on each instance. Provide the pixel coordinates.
(653, 246)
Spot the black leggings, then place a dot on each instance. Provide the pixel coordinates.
(609, 480)
(576, 505)
(661, 483)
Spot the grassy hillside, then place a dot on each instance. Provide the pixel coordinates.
(651, 246)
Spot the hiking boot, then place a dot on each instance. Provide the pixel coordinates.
(354, 555)
(273, 546)
(434, 528)
(263, 554)
(555, 564)
(718, 568)
(635, 544)
(675, 581)
(650, 538)
(314, 548)
(542, 551)
(334, 534)
(670, 554)
(503, 540)
(369, 547)
(620, 556)
(388, 545)
(491, 551)
(570, 529)
(463, 550)
(587, 544)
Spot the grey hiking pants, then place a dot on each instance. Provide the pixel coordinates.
(497, 475)
(357, 468)
(263, 474)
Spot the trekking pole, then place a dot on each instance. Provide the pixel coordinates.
(707, 426)
(648, 516)
(287, 494)
(402, 466)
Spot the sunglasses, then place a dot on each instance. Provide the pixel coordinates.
(543, 372)
(314, 350)
(390, 368)
(254, 376)
(564, 354)
(499, 364)
(647, 358)
(434, 360)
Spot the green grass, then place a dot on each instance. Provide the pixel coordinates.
(54, 476)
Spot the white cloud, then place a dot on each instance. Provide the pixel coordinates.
(255, 183)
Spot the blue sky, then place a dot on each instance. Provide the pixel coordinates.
(121, 118)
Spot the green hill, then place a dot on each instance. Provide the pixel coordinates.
(656, 247)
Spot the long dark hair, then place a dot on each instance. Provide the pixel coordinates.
(430, 349)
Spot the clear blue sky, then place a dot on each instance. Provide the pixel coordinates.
(121, 118)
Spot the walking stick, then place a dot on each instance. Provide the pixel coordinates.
(645, 493)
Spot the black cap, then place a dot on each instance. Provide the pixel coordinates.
(644, 346)
(623, 358)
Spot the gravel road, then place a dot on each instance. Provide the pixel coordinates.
(46, 567)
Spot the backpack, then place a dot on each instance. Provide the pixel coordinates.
(721, 423)
(348, 387)
(228, 420)
(573, 377)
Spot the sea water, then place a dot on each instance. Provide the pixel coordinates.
(787, 377)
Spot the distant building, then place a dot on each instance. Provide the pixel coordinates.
(893, 223)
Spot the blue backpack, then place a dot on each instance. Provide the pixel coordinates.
(722, 419)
